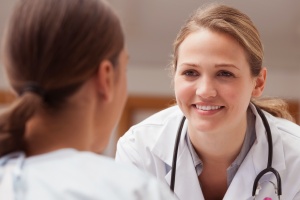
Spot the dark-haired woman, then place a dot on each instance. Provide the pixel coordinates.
(66, 61)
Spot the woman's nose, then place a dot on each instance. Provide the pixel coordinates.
(206, 88)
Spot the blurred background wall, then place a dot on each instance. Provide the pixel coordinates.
(151, 26)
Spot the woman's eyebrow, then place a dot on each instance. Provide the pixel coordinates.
(227, 65)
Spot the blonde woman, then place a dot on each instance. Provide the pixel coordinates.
(224, 149)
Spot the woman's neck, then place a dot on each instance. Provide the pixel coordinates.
(218, 148)
(73, 126)
(45, 134)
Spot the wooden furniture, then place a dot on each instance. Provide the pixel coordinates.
(149, 104)
(6, 97)
(137, 104)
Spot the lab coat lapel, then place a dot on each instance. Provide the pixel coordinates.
(164, 146)
(186, 182)
(241, 185)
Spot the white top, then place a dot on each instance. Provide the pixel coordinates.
(72, 175)
(149, 145)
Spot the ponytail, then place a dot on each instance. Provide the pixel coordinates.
(13, 122)
(274, 106)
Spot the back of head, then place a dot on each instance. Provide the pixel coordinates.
(50, 48)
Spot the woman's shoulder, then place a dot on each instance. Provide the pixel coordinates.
(148, 131)
(158, 120)
(84, 165)
(288, 128)
(289, 133)
(162, 117)
(116, 180)
(71, 174)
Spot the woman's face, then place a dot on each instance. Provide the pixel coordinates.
(213, 83)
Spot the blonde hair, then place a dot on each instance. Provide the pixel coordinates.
(228, 20)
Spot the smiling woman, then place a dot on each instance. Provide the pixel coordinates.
(218, 81)
(214, 74)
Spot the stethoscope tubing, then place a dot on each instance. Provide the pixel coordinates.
(269, 136)
(269, 167)
(270, 157)
(175, 152)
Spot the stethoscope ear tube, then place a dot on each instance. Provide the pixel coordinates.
(175, 151)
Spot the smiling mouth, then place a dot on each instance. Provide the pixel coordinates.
(208, 108)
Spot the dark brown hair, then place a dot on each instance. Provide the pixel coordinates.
(52, 47)
(228, 20)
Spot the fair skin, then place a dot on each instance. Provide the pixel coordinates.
(113, 86)
(88, 117)
(213, 87)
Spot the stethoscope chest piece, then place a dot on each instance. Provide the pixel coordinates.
(264, 184)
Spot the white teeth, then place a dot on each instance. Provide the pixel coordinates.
(208, 107)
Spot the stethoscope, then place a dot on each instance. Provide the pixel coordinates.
(269, 168)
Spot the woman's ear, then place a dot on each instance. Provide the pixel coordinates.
(105, 80)
(260, 82)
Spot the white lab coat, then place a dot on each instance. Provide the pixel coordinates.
(149, 145)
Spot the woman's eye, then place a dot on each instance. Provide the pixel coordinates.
(190, 73)
(225, 74)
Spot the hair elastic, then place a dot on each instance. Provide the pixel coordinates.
(34, 88)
